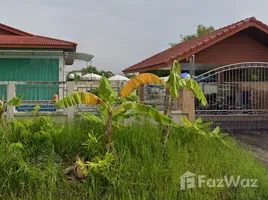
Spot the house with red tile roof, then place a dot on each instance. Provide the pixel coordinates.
(231, 65)
(25, 57)
(243, 41)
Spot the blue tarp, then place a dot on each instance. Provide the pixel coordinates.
(154, 86)
(185, 74)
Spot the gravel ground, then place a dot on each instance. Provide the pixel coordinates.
(257, 141)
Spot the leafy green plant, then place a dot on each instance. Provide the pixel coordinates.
(30, 156)
(140, 169)
(36, 110)
(92, 144)
(112, 108)
(173, 85)
(15, 101)
(201, 128)
(98, 164)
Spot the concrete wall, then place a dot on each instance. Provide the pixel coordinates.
(63, 117)
(184, 107)
(175, 115)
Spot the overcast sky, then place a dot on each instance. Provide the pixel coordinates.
(120, 33)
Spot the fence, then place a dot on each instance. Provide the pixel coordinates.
(41, 93)
(35, 93)
(237, 96)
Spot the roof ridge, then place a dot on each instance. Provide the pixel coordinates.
(14, 30)
(52, 38)
(25, 34)
(222, 28)
(247, 20)
(193, 45)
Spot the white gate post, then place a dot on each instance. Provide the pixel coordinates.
(11, 90)
(70, 90)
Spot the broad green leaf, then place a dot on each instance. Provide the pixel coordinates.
(119, 110)
(173, 86)
(175, 82)
(216, 131)
(174, 77)
(194, 87)
(78, 98)
(176, 68)
(83, 167)
(103, 108)
(16, 101)
(118, 125)
(106, 91)
(216, 134)
(193, 126)
(122, 112)
(92, 138)
(125, 115)
(132, 98)
(3, 99)
(199, 131)
(118, 115)
(131, 114)
(151, 112)
(186, 122)
(225, 143)
(80, 163)
(92, 117)
(206, 124)
(198, 120)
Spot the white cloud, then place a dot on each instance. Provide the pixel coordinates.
(122, 32)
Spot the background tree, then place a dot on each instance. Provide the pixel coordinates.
(107, 74)
(200, 30)
(89, 69)
(160, 73)
(130, 75)
(76, 75)
(94, 70)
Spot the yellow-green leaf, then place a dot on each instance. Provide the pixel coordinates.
(138, 81)
(79, 98)
(186, 122)
(106, 91)
(174, 77)
(15, 101)
(92, 117)
(151, 112)
(194, 87)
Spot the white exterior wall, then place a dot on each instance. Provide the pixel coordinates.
(62, 76)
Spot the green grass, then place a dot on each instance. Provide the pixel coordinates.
(33, 155)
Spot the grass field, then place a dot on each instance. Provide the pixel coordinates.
(33, 155)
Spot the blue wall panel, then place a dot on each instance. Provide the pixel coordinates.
(23, 69)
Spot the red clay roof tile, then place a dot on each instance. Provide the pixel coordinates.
(32, 40)
(183, 49)
(22, 39)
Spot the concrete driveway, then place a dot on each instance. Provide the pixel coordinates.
(256, 140)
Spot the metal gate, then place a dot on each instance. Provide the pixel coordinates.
(237, 96)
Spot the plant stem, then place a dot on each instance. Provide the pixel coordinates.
(109, 131)
(2, 116)
(167, 113)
